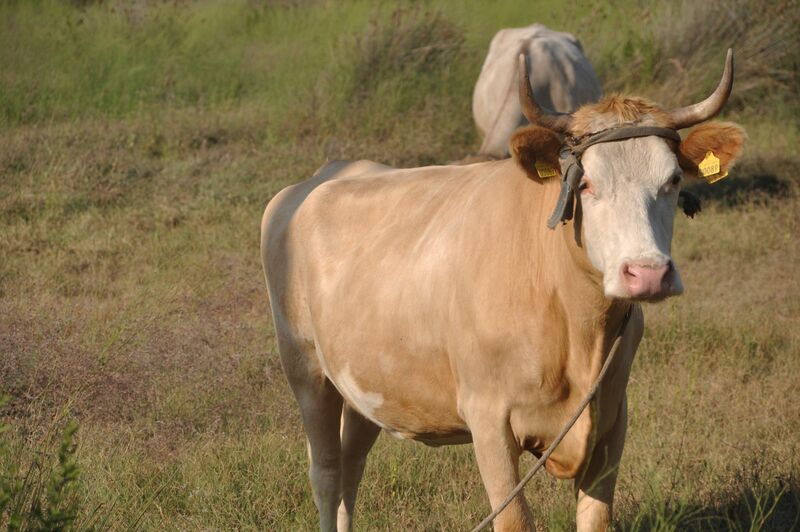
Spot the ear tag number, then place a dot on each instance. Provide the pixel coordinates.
(710, 168)
(545, 170)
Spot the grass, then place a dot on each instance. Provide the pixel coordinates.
(140, 143)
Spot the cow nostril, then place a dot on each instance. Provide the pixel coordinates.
(669, 274)
(626, 271)
(648, 280)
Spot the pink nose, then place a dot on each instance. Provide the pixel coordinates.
(646, 281)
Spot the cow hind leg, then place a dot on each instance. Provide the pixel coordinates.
(320, 408)
(358, 436)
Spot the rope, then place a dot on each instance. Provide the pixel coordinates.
(586, 400)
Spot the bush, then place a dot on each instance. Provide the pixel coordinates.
(679, 56)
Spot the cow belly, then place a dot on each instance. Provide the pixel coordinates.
(407, 399)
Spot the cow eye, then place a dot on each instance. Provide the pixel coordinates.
(676, 180)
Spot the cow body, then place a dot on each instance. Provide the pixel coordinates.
(435, 303)
(562, 80)
(438, 306)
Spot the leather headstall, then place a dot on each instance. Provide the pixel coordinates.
(572, 170)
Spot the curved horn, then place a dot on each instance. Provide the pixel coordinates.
(536, 115)
(708, 108)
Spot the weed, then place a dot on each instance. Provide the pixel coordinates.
(39, 494)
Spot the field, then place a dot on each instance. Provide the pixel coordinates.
(139, 144)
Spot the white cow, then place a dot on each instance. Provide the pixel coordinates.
(562, 80)
(435, 303)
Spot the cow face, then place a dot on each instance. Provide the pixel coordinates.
(629, 191)
(628, 196)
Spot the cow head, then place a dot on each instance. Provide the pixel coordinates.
(629, 191)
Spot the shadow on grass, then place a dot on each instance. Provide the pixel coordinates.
(759, 508)
(734, 191)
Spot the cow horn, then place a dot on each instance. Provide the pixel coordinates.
(708, 108)
(536, 115)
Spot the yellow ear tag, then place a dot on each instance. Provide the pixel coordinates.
(545, 170)
(710, 169)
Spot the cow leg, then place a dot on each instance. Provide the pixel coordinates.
(594, 487)
(497, 454)
(320, 407)
(358, 436)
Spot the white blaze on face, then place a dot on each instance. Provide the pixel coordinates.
(628, 214)
(365, 402)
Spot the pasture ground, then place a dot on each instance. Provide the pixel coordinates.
(139, 143)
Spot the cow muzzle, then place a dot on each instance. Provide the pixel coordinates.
(645, 281)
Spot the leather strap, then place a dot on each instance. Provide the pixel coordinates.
(572, 170)
(623, 133)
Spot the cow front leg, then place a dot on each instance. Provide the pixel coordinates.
(594, 487)
(497, 454)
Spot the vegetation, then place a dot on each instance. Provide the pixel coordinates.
(42, 496)
(139, 143)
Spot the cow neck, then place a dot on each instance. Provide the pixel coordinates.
(571, 275)
(573, 280)
(583, 297)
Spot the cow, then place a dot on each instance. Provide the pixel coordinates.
(434, 303)
(563, 80)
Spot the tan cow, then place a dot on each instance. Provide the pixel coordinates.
(434, 302)
(562, 79)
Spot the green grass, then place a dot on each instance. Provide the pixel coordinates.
(139, 143)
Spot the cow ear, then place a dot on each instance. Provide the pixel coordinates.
(534, 144)
(724, 139)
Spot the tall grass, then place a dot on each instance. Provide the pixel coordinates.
(115, 58)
